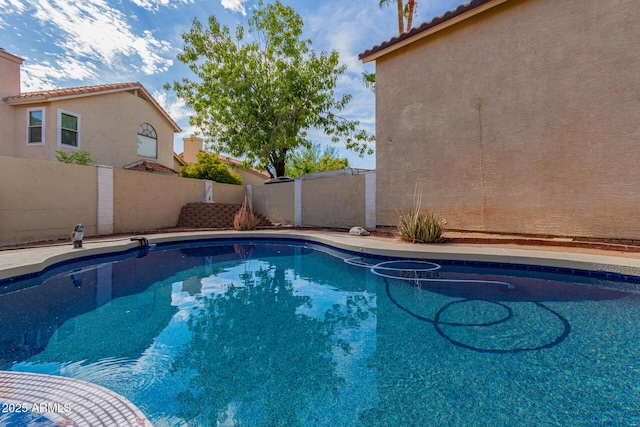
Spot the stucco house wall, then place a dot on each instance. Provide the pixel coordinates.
(109, 119)
(9, 85)
(109, 125)
(108, 129)
(520, 119)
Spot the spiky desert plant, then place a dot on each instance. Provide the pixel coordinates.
(245, 219)
(420, 227)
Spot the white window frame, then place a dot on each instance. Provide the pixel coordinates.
(77, 116)
(44, 121)
(155, 138)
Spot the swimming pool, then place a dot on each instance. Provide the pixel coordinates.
(290, 333)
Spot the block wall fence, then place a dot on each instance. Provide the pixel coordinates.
(42, 200)
(341, 201)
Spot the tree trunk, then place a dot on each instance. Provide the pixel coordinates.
(400, 17)
(278, 159)
(279, 166)
(411, 7)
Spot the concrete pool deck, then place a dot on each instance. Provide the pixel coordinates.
(560, 253)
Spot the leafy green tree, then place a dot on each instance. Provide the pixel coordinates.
(80, 157)
(209, 166)
(369, 80)
(313, 159)
(257, 98)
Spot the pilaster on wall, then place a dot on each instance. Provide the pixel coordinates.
(105, 199)
(297, 202)
(249, 196)
(208, 191)
(370, 200)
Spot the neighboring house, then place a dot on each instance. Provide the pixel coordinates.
(121, 124)
(193, 145)
(517, 116)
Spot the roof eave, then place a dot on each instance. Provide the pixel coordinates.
(26, 101)
(11, 57)
(151, 99)
(177, 157)
(402, 42)
(38, 99)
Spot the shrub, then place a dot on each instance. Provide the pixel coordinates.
(420, 227)
(245, 219)
(80, 157)
(209, 166)
(417, 226)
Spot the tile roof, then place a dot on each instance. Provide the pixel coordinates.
(146, 166)
(82, 91)
(73, 92)
(435, 22)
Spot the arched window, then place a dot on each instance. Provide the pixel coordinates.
(147, 141)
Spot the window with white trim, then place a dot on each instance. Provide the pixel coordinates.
(147, 141)
(35, 126)
(68, 129)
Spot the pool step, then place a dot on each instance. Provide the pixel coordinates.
(213, 215)
(67, 401)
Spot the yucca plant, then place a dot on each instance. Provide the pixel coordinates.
(245, 219)
(420, 227)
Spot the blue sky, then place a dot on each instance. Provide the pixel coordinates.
(68, 43)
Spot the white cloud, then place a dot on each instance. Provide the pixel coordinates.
(234, 5)
(154, 5)
(175, 107)
(43, 76)
(350, 28)
(92, 31)
(10, 6)
(16, 6)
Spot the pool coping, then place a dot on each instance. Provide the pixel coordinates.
(20, 262)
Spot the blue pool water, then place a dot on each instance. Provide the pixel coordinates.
(285, 333)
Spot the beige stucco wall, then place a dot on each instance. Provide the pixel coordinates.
(523, 119)
(249, 177)
(145, 201)
(10, 72)
(275, 201)
(9, 86)
(45, 200)
(108, 129)
(334, 202)
(228, 193)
